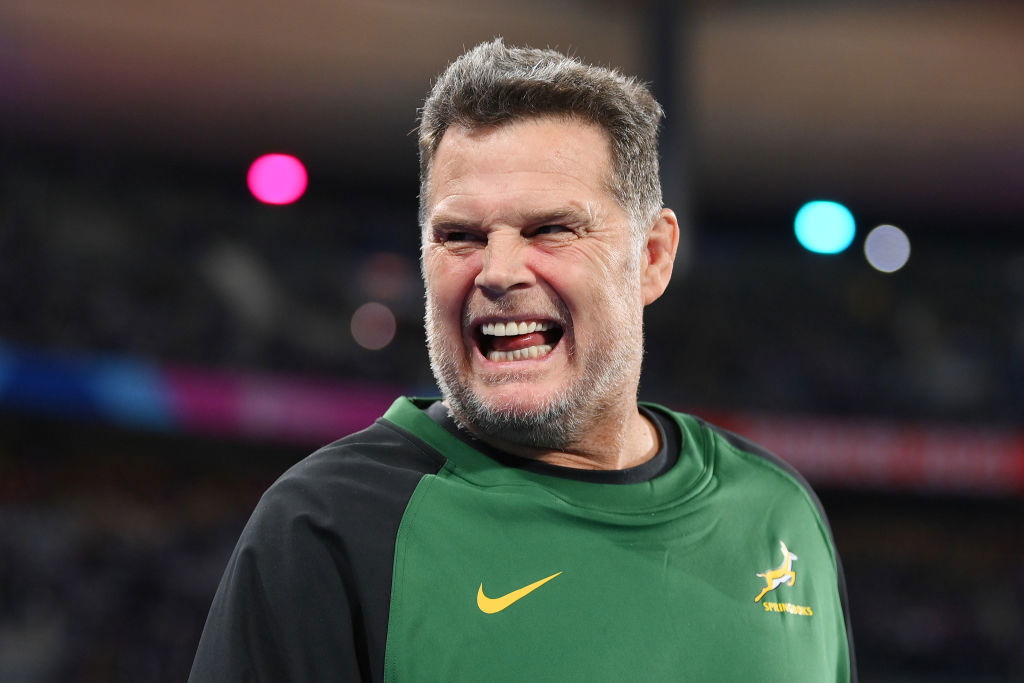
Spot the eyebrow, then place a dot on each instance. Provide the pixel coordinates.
(574, 214)
(545, 216)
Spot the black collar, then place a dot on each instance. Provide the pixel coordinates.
(667, 455)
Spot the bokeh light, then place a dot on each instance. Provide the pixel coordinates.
(388, 276)
(824, 227)
(373, 326)
(277, 179)
(887, 248)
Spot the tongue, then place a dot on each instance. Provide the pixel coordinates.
(517, 342)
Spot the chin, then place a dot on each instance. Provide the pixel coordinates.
(522, 402)
(517, 391)
(519, 415)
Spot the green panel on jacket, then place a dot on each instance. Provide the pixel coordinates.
(650, 581)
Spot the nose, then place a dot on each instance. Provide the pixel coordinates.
(504, 266)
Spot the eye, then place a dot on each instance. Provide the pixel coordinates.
(457, 237)
(551, 230)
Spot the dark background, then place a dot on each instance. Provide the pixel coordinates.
(136, 269)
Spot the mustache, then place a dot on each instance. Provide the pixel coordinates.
(548, 307)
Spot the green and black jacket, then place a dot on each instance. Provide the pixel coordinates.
(409, 552)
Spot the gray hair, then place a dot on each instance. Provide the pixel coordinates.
(493, 84)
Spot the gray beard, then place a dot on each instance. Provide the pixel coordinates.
(555, 426)
(562, 420)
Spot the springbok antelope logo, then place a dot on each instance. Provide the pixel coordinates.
(773, 578)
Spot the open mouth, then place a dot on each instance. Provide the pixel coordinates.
(517, 340)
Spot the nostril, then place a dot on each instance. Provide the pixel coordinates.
(503, 268)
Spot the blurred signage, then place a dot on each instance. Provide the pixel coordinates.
(847, 453)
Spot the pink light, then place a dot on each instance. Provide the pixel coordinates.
(277, 179)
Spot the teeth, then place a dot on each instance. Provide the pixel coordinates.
(520, 354)
(513, 328)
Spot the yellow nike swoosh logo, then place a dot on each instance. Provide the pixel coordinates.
(492, 605)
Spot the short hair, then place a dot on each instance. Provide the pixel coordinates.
(492, 84)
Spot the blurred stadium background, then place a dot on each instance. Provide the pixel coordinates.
(168, 344)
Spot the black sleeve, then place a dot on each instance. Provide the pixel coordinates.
(284, 608)
(306, 593)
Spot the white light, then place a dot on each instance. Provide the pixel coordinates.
(887, 248)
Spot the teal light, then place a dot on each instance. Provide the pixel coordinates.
(824, 227)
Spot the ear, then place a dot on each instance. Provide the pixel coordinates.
(659, 255)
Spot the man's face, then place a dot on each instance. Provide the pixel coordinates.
(534, 305)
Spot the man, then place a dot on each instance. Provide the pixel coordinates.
(538, 523)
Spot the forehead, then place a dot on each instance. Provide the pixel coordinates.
(535, 157)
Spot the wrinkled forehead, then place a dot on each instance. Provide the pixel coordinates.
(549, 153)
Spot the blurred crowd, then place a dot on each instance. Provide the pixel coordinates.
(111, 546)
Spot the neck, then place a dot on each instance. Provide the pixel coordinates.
(619, 442)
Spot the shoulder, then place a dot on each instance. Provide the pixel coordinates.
(355, 483)
(755, 456)
(745, 467)
(784, 501)
(382, 451)
(304, 594)
(713, 441)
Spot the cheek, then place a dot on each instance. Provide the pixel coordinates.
(582, 280)
(448, 283)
